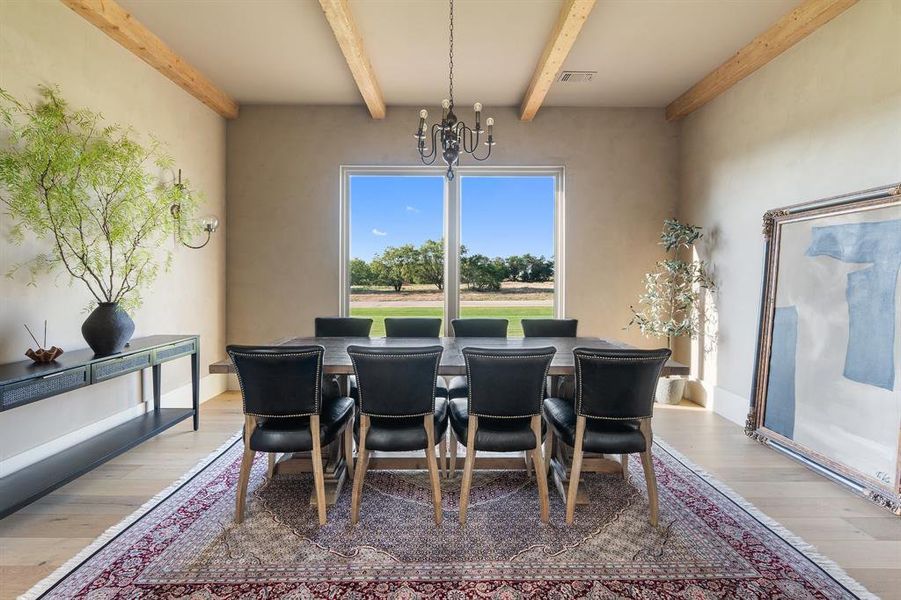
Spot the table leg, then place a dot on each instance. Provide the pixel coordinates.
(195, 386)
(156, 372)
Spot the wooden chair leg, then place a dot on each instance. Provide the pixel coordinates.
(362, 463)
(540, 471)
(318, 475)
(442, 455)
(270, 469)
(244, 475)
(650, 477)
(452, 442)
(528, 458)
(548, 449)
(466, 484)
(349, 447)
(576, 471)
(624, 460)
(429, 422)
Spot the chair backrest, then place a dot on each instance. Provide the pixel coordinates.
(617, 383)
(279, 381)
(480, 327)
(550, 327)
(342, 327)
(507, 383)
(396, 382)
(412, 327)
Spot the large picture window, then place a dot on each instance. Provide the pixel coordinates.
(485, 244)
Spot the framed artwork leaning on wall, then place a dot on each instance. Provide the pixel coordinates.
(827, 386)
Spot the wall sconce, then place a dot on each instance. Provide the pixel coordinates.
(209, 223)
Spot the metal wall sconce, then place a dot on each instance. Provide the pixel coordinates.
(209, 223)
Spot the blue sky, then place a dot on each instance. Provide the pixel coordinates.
(501, 216)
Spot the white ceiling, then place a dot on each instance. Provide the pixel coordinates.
(646, 52)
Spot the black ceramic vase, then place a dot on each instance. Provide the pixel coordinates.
(107, 329)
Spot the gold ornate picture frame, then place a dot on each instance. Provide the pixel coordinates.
(827, 385)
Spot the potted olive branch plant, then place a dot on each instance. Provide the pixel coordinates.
(670, 304)
(98, 195)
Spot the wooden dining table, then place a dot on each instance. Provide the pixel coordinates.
(337, 362)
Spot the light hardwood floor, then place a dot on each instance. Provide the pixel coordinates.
(863, 539)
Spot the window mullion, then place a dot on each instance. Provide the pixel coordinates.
(451, 252)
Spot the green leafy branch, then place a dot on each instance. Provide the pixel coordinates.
(92, 190)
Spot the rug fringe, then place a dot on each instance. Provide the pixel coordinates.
(795, 541)
(70, 565)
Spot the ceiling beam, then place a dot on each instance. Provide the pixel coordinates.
(338, 14)
(117, 23)
(573, 15)
(785, 33)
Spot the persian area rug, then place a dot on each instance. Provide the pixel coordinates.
(710, 543)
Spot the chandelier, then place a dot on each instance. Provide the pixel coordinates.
(454, 135)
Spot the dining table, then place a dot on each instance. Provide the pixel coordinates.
(337, 362)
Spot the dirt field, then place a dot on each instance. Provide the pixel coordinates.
(510, 291)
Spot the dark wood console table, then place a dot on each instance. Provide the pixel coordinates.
(25, 382)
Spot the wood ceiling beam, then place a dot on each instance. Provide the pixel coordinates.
(573, 15)
(116, 22)
(785, 33)
(339, 17)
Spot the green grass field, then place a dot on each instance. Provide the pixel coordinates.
(512, 313)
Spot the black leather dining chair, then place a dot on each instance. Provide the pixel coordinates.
(417, 327)
(503, 411)
(463, 328)
(285, 410)
(412, 327)
(399, 411)
(562, 387)
(612, 412)
(496, 328)
(342, 327)
(550, 327)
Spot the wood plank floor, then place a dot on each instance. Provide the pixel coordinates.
(863, 539)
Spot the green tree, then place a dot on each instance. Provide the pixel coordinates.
(93, 191)
(481, 273)
(396, 266)
(431, 263)
(516, 266)
(361, 272)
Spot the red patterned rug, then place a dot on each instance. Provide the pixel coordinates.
(711, 543)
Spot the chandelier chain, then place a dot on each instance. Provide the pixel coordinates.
(451, 56)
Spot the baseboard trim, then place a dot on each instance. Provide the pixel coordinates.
(730, 405)
(180, 397)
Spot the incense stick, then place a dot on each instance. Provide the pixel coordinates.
(32, 335)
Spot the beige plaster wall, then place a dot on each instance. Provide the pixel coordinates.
(822, 119)
(43, 42)
(283, 204)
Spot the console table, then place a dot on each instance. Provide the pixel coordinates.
(25, 382)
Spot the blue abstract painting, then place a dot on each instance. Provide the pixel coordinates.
(870, 356)
(780, 414)
(834, 379)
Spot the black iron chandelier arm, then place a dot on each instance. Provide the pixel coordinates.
(482, 158)
(429, 158)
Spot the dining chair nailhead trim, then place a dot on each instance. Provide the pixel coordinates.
(316, 392)
(579, 356)
(380, 356)
(501, 357)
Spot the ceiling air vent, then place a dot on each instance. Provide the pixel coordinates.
(576, 76)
